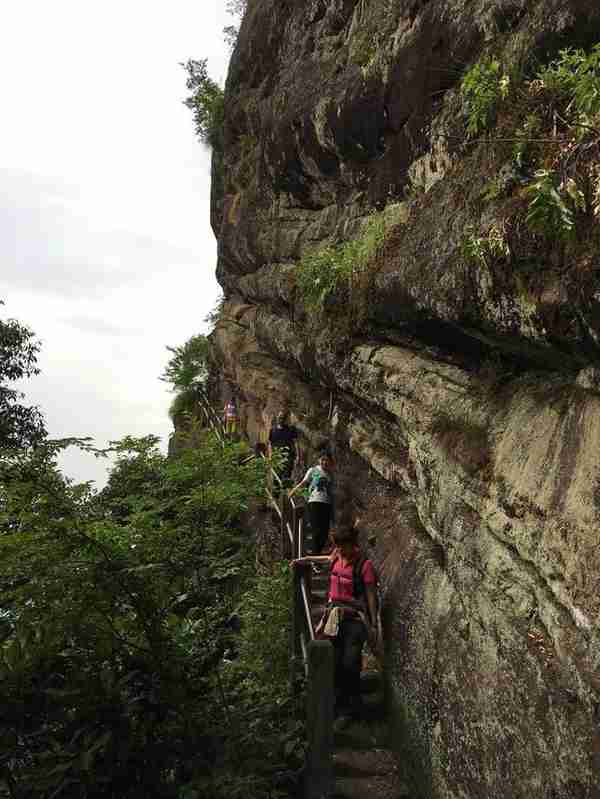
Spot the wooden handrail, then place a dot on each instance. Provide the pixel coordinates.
(212, 418)
(292, 522)
(305, 598)
(315, 656)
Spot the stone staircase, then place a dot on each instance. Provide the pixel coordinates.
(364, 765)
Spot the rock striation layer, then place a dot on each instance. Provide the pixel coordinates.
(464, 410)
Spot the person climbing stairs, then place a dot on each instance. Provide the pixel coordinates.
(362, 758)
(363, 761)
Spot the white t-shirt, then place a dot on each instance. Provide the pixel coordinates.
(320, 485)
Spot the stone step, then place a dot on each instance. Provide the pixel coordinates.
(361, 734)
(363, 763)
(388, 787)
(373, 707)
(371, 681)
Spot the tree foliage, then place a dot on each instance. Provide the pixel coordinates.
(187, 374)
(236, 9)
(575, 77)
(206, 102)
(121, 673)
(553, 205)
(116, 621)
(188, 366)
(483, 85)
(20, 425)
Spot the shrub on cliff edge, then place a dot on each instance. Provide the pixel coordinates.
(206, 102)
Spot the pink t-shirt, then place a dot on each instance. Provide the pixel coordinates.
(340, 579)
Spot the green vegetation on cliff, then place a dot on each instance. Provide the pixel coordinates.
(206, 102)
(543, 132)
(482, 87)
(322, 273)
(236, 9)
(187, 372)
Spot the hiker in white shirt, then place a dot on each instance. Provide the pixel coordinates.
(319, 480)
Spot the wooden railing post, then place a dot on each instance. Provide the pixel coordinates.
(300, 515)
(294, 526)
(296, 624)
(318, 780)
(285, 541)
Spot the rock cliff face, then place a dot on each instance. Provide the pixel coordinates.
(462, 399)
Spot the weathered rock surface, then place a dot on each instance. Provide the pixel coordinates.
(465, 414)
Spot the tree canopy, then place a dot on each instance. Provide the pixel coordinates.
(188, 366)
(206, 101)
(20, 425)
(122, 671)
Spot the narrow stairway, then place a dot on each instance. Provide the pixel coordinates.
(364, 765)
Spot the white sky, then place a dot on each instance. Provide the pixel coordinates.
(106, 251)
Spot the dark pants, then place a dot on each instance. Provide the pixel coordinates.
(319, 515)
(348, 647)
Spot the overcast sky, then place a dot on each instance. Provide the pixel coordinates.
(106, 251)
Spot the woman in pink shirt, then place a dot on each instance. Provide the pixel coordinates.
(352, 598)
(230, 416)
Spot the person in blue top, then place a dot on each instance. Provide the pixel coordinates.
(321, 510)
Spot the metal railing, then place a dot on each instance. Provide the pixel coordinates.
(213, 419)
(293, 541)
(315, 657)
(291, 517)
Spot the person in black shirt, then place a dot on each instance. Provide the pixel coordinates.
(284, 438)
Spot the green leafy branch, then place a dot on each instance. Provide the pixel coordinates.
(553, 205)
(482, 87)
(206, 102)
(484, 249)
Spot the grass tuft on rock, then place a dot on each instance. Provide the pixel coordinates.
(323, 272)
